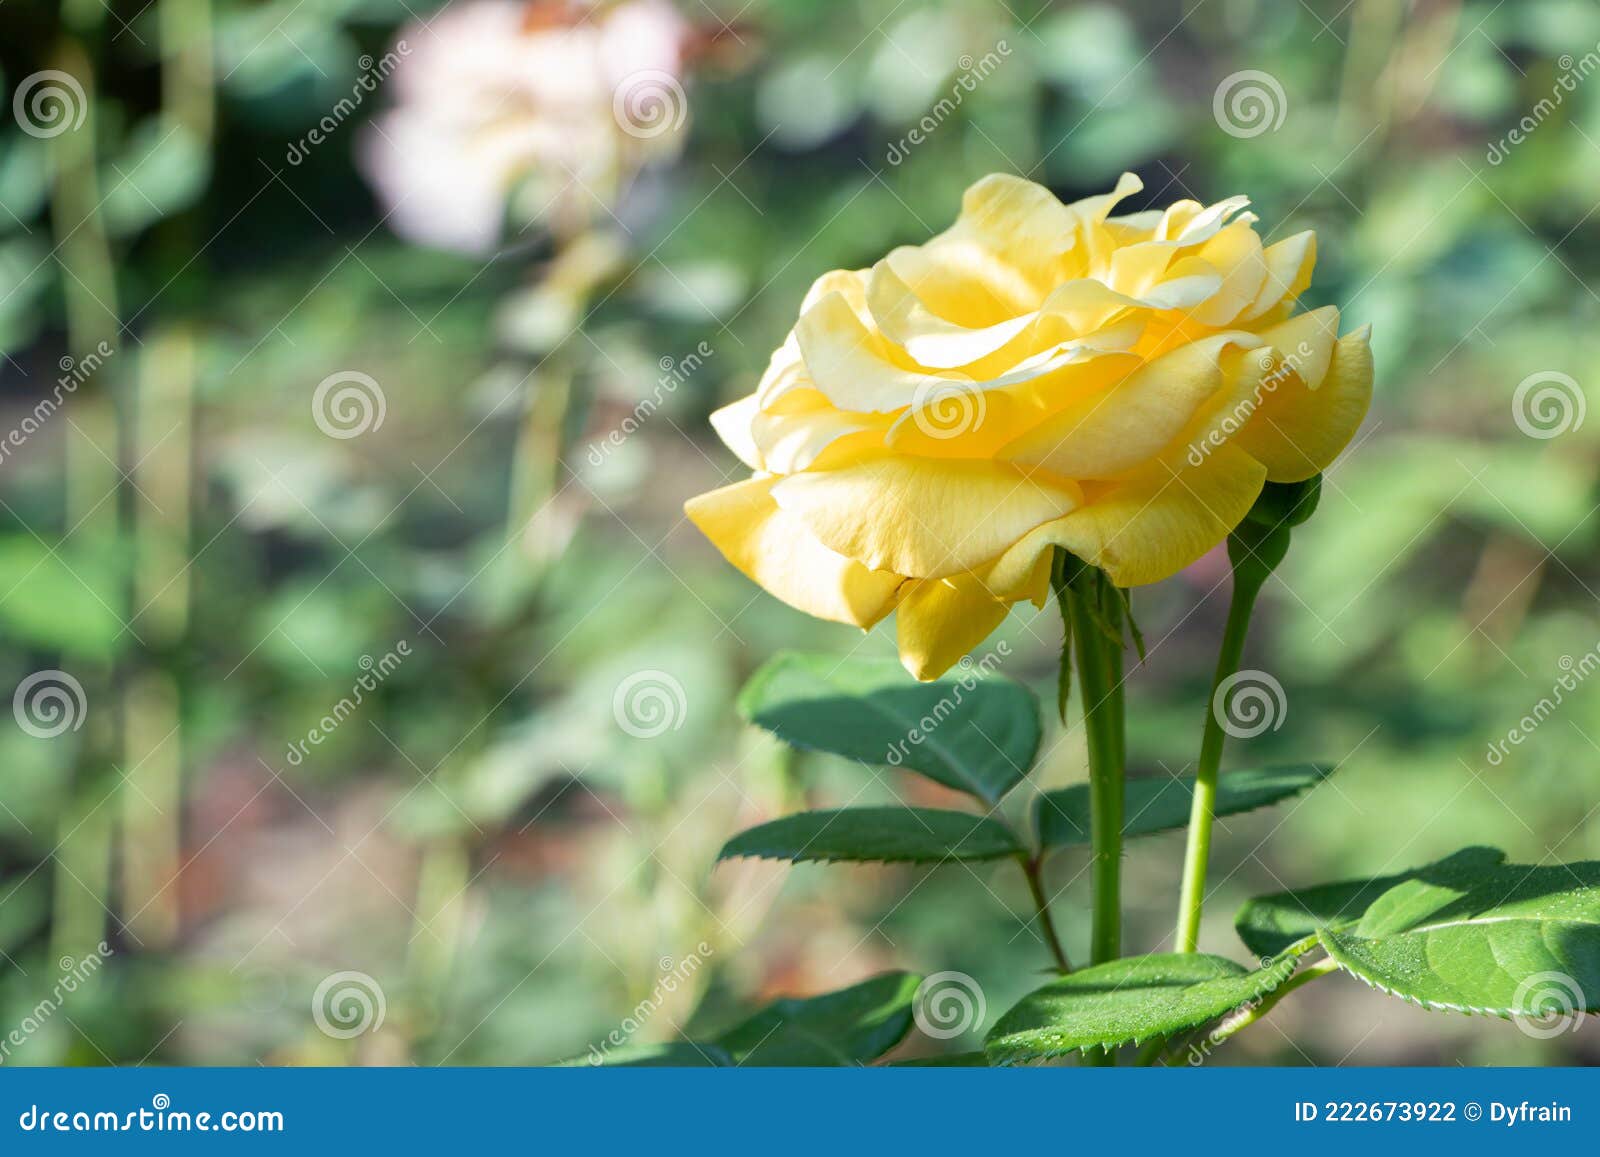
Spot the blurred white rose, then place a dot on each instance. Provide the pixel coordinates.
(525, 113)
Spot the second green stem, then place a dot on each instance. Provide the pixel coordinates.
(1203, 809)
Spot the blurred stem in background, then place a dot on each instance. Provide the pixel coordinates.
(442, 883)
(534, 538)
(188, 66)
(163, 481)
(163, 456)
(536, 532)
(95, 511)
(536, 468)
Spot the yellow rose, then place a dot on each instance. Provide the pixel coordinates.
(1038, 375)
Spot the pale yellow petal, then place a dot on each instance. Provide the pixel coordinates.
(786, 371)
(1306, 341)
(923, 517)
(1019, 221)
(1298, 431)
(1181, 232)
(851, 284)
(732, 424)
(940, 620)
(931, 340)
(1248, 377)
(795, 439)
(852, 367)
(849, 364)
(774, 548)
(978, 419)
(1147, 527)
(1235, 252)
(1289, 266)
(1107, 433)
(960, 279)
(1012, 244)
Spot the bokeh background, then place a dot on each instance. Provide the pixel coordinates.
(357, 635)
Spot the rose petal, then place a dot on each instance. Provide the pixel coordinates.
(940, 620)
(924, 517)
(774, 549)
(1106, 433)
(1299, 431)
(1147, 527)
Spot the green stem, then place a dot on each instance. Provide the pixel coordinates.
(1033, 869)
(1099, 663)
(1203, 809)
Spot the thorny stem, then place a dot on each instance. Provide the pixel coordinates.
(1082, 597)
(1099, 664)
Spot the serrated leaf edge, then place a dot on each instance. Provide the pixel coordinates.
(1005, 1058)
(949, 858)
(1349, 969)
(1038, 807)
(1016, 848)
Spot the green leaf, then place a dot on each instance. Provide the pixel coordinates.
(678, 1055)
(1128, 1001)
(58, 600)
(887, 834)
(162, 171)
(971, 730)
(852, 1025)
(1161, 803)
(1510, 940)
(1269, 924)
